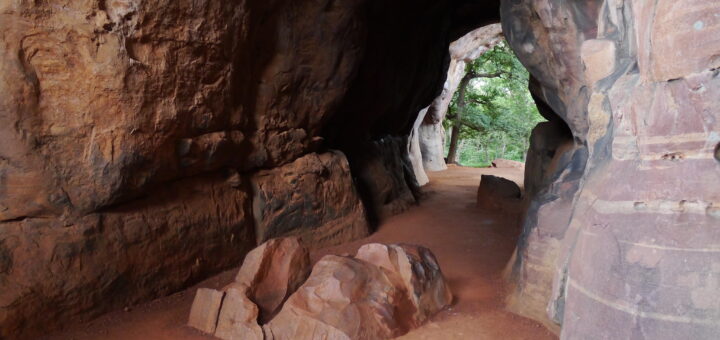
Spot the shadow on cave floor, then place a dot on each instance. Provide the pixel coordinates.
(472, 246)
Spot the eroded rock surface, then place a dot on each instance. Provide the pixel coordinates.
(385, 176)
(418, 270)
(313, 197)
(344, 298)
(383, 292)
(267, 277)
(272, 272)
(619, 239)
(121, 256)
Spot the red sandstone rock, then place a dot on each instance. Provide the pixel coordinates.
(238, 317)
(313, 198)
(269, 274)
(106, 105)
(344, 298)
(205, 309)
(598, 56)
(381, 293)
(273, 271)
(417, 269)
(384, 174)
(619, 223)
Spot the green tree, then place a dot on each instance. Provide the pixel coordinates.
(492, 114)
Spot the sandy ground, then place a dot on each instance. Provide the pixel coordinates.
(472, 246)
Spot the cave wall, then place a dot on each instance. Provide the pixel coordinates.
(135, 134)
(147, 145)
(191, 130)
(622, 240)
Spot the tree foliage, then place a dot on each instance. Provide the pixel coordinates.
(497, 114)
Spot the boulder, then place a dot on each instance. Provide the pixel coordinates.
(238, 317)
(497, 193)
(383, 292)
(344, 298)
(417, 269)
(269, 274)
(272, 272)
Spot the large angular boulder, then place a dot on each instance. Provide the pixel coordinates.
(344, 298)
(269, 274)
(417, 270)
(381, 293)
(384, 292)
(273, 271)
(205, 309)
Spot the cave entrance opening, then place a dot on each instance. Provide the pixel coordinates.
(482, 149)
(492, 113)
(484, 116)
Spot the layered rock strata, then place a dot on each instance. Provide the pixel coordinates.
(131, 127)
(621, 241)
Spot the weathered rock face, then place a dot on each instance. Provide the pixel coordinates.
(105, 99)
(621, 242)
(431, 132)
(132, 128)
(123, 255)
(312, 197)
(385, 176)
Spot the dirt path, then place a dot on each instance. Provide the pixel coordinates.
(472, 247)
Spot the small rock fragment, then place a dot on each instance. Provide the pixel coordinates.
(238, 316)
(205, 309)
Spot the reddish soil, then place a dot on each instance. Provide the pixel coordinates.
(472, 246)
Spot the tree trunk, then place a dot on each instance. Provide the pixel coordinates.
(457, 123)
